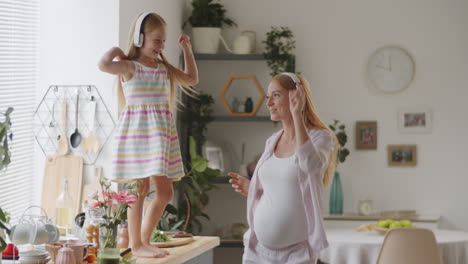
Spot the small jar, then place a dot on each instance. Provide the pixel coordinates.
(122, 236)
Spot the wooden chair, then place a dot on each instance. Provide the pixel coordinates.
(409, 246)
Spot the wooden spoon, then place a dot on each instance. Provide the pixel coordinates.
(63, 142)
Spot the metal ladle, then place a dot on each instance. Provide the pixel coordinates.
(75, 138)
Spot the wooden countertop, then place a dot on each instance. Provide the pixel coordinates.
(186, 252)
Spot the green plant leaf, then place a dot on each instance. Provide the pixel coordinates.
(3, 244)
(199, 164)
(171, 209)
(177, 224)
(192, 148)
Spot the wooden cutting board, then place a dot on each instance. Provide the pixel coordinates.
(174, 242)
(57, 169)
(94, 185)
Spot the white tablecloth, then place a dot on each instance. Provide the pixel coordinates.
(347, 246)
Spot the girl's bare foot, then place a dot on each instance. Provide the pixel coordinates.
(154, 247)
(145, 251)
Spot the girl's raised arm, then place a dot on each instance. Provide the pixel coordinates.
(121, 66)
(191, 72)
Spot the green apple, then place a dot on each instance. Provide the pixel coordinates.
(406, 223)
(383, 224)
(395, 224)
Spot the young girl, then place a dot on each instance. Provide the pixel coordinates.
(146, 141)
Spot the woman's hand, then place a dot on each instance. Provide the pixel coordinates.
(184, 42)
(297, 100)
(239, 183)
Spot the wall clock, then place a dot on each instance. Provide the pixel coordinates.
(390, 69)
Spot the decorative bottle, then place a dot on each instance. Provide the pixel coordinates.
(336, 195)
(235, 105)
(64, 207)
(248, 105)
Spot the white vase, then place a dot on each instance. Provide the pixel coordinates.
(206, 39)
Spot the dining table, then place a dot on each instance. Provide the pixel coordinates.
(348, 246)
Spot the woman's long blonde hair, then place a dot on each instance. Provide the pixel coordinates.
(151, 22)
(311, 119)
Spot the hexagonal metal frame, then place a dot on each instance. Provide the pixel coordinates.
(46, 134)
(227, 85)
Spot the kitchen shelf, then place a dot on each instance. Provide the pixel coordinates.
(242, 119)
(228, 56)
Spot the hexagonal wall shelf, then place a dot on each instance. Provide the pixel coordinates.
(226, 87)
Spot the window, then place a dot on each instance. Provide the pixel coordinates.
(19, 30)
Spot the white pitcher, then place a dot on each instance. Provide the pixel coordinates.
(244, 44)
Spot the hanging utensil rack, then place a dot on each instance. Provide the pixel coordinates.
(47, 119)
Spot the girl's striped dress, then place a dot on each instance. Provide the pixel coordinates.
(146, 141)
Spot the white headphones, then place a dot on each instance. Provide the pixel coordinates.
(138, 36)
(293, 76)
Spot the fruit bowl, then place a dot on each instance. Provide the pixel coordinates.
(380, 230)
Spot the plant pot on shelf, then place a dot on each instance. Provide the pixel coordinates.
(206, 40)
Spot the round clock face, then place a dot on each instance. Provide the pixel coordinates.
(365, 207)
(390, 69)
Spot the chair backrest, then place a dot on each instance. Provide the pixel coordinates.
(409, 246)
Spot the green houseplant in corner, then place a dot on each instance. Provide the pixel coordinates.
(207, 19)
(336, 193)
(193, 190)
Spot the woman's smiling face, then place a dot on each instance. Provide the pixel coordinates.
(278, 101)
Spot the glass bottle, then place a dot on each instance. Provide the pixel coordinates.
(248, 105)
(64, 207)
(235, 105)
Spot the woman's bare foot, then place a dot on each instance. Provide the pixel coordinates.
(145, 251)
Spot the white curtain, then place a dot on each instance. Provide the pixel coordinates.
(19, 29)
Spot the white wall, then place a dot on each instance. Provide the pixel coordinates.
(333, 42)
(73, 37)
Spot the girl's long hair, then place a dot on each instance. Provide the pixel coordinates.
(151, 22)
(311, 119)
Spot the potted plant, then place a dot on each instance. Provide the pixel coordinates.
(5, 137)
(5, 159)
(336, 193)
(193, 189)
(207, 19)
(4, 220)
(278, 47)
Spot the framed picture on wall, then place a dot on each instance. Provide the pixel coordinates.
(401, 155)
(214, 155)
(366, 134)
(413, 120)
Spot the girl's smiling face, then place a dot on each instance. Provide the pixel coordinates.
(154, 42)
(278, 102)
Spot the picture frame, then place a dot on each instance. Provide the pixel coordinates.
(214, 155)
(401, 155)
(415, 120)
(366, 134)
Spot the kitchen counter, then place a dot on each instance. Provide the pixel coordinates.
(181, 254)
